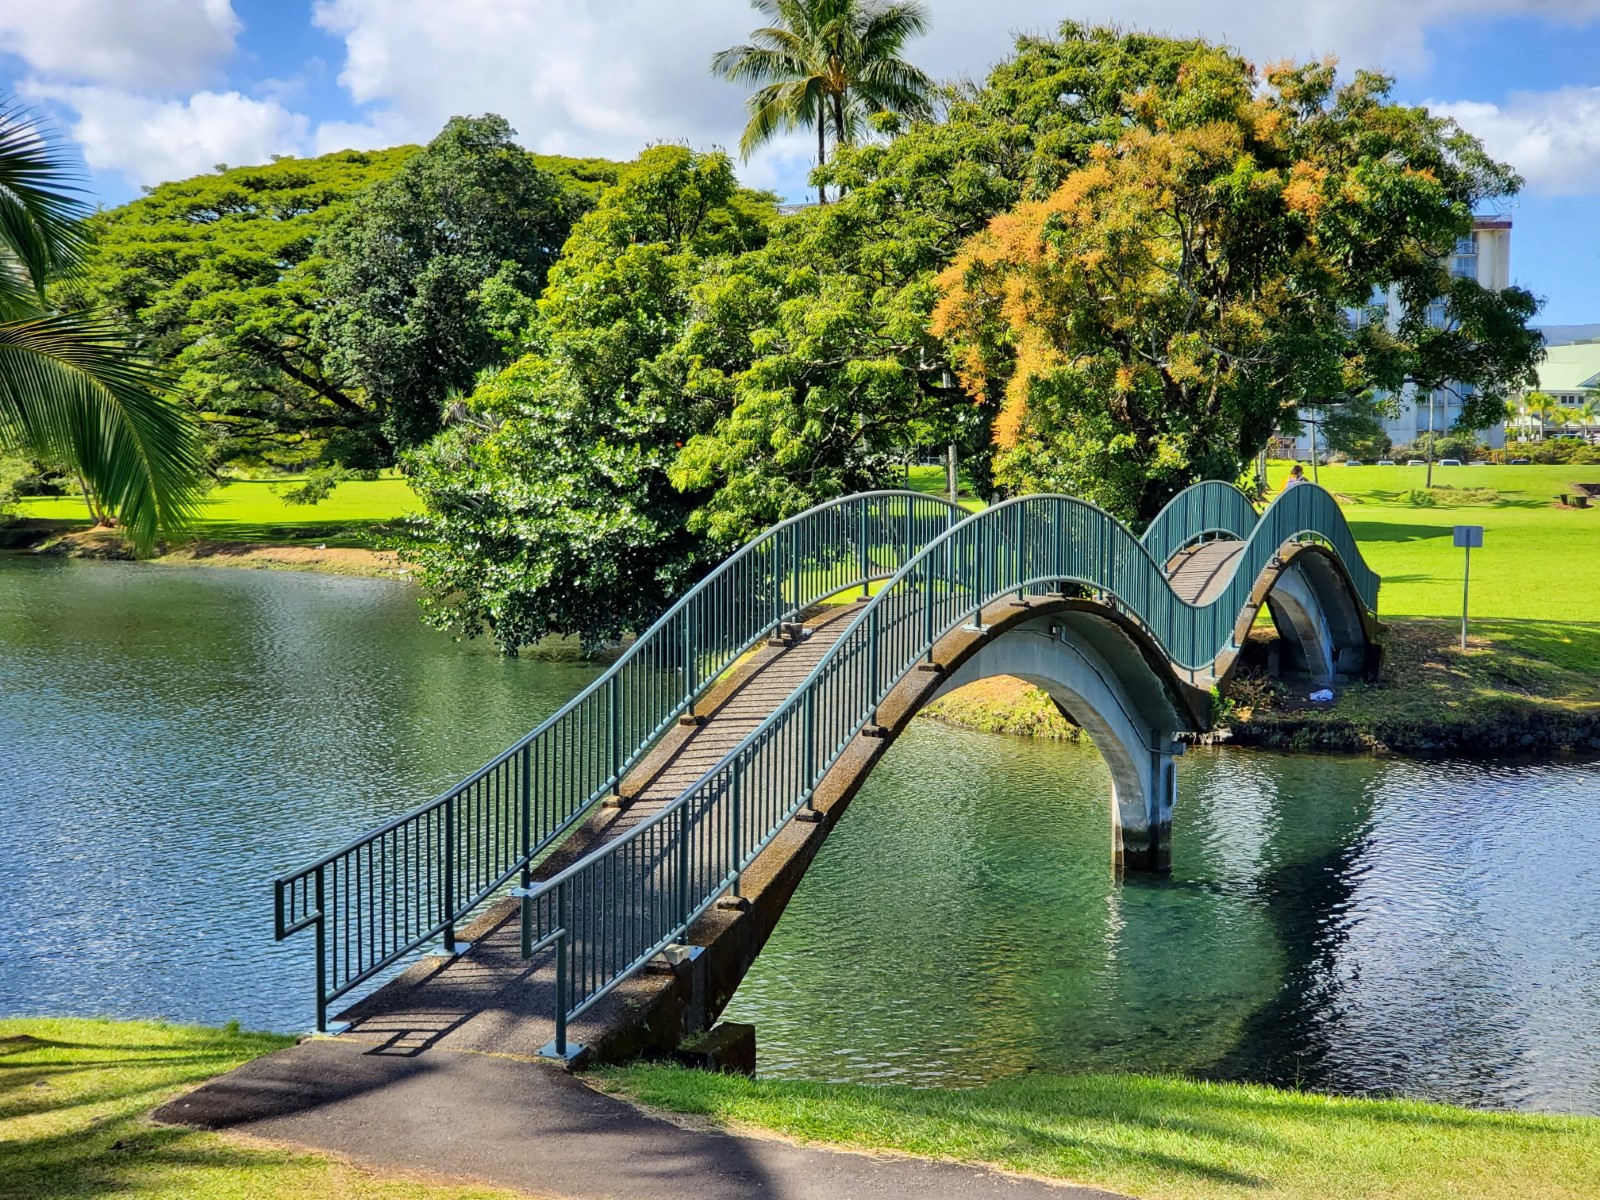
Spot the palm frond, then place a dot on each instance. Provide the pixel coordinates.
(42, 234)
(69, 390)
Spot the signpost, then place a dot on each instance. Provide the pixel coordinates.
(1467, 537)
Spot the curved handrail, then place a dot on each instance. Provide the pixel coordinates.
(1210, 506)
(395, 888)
(682, 857)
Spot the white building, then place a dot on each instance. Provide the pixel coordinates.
(1569, 375)
(1484, 255)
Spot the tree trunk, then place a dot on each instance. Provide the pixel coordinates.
(1429, 482)
(952, 475)
(822, 156)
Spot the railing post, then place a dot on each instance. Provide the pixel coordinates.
(736, 797)
(927, 608)
(809, 736)
(874, 653)
(563, 974)
(866, 562)
(322, 952)
(526, 905)
(683, 867)
(615, 732)
(450, 873)
(691, 685)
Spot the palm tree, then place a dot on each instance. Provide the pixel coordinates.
(1540, 405)
(71, 392)
(827, 62)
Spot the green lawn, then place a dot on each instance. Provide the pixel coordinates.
(1539, 562)
(251, 511)
(1167, 1139)
(73, 1099)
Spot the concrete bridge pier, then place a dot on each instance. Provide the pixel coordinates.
(1107, 682)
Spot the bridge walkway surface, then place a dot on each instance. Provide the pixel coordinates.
(491, 999)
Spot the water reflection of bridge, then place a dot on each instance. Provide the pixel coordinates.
(656, 827)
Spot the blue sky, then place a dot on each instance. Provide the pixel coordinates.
(159, 89)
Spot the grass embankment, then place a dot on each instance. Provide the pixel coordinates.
(247, 523)
(1530, 677)
(1165, 1138)
(74, 1095)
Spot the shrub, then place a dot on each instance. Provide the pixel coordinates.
(1420, 498)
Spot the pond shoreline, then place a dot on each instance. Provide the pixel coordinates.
(1491, 701)
(106, 545)
(1431, 699)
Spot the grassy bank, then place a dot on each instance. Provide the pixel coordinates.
(1520, 687)
(1166, 1139)
(73, 1099)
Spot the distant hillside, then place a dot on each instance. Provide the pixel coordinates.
(1565, 335)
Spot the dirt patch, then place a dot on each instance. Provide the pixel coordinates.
(53, 538)
(332, 560)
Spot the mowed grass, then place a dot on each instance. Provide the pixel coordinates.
(252, 511)
(1166, 1138)
(74, 1095)
(1539, 561)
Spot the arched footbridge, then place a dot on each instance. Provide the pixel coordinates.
(623, 864)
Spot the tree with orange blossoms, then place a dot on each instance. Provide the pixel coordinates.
(1221, 267)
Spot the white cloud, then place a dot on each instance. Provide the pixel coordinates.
(607, 78)
(149, 140)
(1551, 138)
(158, 44)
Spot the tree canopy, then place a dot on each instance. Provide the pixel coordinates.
(407, 264)
(550, 509)
(1220, 265)
(219, 278)
(831, 65)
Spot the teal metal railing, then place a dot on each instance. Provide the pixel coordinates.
(1209, 507)
(391, 891)
(608, 914)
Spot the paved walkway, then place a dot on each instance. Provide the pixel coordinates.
(533, 1128)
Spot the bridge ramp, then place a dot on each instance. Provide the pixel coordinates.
(491, 999)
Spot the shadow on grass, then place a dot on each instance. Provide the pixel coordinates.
(87, 1102)
(1384, 531)
(1112, 1127)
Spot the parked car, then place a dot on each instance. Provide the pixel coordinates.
(1449, 462)
(1415, 462)
(1386, 462)
(1520, 462)
(1352, 462)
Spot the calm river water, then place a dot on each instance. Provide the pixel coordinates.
(171, 738)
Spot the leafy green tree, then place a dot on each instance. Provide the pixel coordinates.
(72, 392)
(550, 510)
(827, 63)
(845, 375)
(406, 265)
(220, 279)
(1153, 319)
